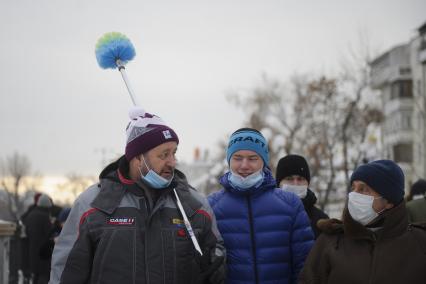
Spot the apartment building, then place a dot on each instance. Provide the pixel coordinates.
(400, 76)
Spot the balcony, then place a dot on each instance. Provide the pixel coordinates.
(422, 51)
(391, 66)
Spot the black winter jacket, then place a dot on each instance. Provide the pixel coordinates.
(37, 225)
(314, 213)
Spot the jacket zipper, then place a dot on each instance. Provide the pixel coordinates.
(253, 243)
(373, 260)
(145, 207)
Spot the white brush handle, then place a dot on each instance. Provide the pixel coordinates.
(187, 224)
(122, 70)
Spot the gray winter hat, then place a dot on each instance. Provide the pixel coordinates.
(44, 201)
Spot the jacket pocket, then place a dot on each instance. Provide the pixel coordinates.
(181, 260)
(115, 257)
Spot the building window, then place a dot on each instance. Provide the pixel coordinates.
(419, 88)
(403, 153)
(423, 44)
(406, 121)
(405, 71)
(402, 89)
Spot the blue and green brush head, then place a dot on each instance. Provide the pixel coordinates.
(112, 47)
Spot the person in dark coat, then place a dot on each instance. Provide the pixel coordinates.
(293, 175)
(374, 243)
(24, 254)
(416, 205)
(32, 206)
(47, 249)
(38, 227)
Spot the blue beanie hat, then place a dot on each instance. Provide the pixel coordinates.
(383, 176)
(248, 139)
(63, 215)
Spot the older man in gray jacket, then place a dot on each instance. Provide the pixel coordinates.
(142, 223)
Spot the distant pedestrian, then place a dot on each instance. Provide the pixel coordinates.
(32, 206)
(38, 226)
(47, 248)
(417, 206)
(24, 265)
(62, 218)
(266, 230)
(293, 175)
(374, 244)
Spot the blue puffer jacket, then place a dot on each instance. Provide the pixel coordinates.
(266, 231)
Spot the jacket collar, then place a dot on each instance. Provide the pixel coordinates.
(309, 200)
(189, 203)
(114, 183)
(393, 222)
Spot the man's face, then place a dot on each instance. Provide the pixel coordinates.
(245, 162)
(379, 204)
(161, 160)
(294, 180)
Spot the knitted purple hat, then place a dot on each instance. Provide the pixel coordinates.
(146, 131)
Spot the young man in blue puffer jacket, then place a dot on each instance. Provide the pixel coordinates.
(266, 230)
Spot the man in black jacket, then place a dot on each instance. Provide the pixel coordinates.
(24, 262)
(142, 223)
(293, 175)
(37, 227)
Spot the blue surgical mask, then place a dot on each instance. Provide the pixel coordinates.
(153, 179)
(244, 183)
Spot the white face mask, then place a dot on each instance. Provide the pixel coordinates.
(299, 190)
(418, 196)
(360, 207)
(242, 183)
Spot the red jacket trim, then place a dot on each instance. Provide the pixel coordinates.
(123, 179)
(203, 212)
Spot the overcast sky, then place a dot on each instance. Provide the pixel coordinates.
(62, 110)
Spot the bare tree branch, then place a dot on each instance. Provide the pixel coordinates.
(14, 170)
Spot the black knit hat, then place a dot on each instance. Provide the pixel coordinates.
(383, 176)
(292, 165)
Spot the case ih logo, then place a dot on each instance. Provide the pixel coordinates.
(121, 221)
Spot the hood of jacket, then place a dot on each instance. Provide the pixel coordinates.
(115, 182)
